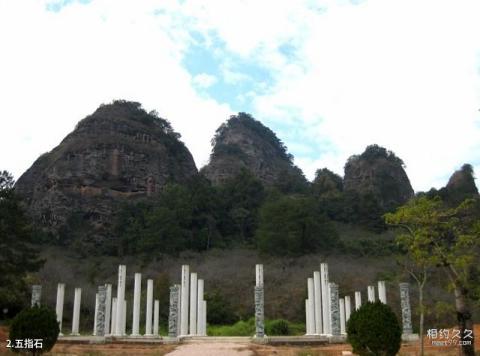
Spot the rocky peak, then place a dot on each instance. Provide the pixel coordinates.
(245, 143)
(379, 172)
(119, 152)
(461, 185)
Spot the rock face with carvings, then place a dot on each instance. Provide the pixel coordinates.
(245, 143)
(118, 153)
(381, 173)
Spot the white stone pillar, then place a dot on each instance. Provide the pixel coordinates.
(184, 295)
(325, 298)
(311, 305)
(122, 272)
(308, 322)
(95, 318)
(200, 284)
(259, 298)
(348, 308)
(108, 308)
(59, 307)
(317, 303)
(371, 294)
(148, 315)
(179, 303)
(382, 292)
(76, 311)
(342, 316)
(193, 303)
(156, 317)
(259, 275)
(124, 318)
(204, 318)
(114, 315)
(137, 292)
(358, 300)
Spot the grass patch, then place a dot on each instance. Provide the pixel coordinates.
(247, 328)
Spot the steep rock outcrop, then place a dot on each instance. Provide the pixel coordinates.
(245, 143)
(118, 153)
(380, 173)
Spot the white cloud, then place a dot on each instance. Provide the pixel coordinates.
(56, 68)
(204, 80)
(403, 74)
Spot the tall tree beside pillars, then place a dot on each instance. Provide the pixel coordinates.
(437, 235)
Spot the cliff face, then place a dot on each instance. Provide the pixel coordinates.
(118, 153)
(460, 186)
(244, 143)
(379, 172)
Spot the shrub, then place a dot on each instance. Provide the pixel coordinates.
(374, 330)
(35, 323)
(278, 327)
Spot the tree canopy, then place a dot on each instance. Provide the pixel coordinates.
(18, 257)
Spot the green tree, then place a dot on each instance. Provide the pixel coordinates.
(294, 225)
(18, 257)
(374, 330)
(37, 322)
(241, 198)
(445, 237)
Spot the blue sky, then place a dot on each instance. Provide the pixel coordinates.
(329, 77)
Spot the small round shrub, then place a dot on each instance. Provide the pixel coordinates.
(374, 330)
(279, 327)
(38, 322)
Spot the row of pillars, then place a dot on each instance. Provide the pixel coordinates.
(188, 308)
(327, 314)
(110, 313)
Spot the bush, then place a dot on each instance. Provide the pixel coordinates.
(35, 323)
(278, 327)
(374, 330)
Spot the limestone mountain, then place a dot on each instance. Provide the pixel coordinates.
(245, 143)
(460, 186)
(118, 153)
(379, 173)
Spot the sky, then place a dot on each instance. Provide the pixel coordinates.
(328, 77)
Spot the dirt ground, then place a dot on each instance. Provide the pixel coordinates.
(227, 349)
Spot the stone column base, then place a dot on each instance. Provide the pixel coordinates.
(410, 337)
